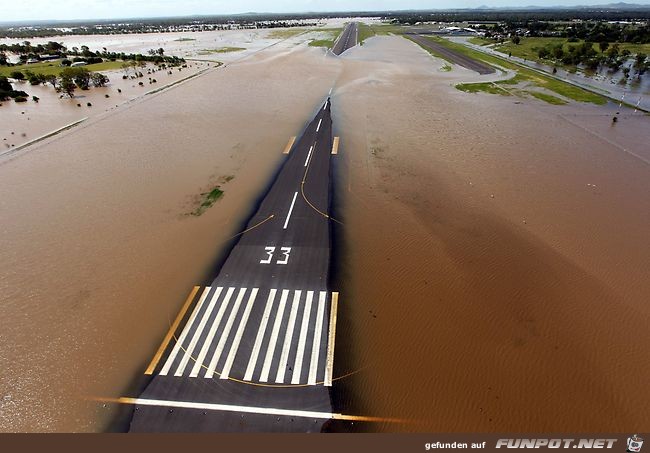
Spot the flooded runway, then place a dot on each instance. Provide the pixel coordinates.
(493, 260)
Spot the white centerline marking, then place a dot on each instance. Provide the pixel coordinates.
(319, 123)
(224, 335)
(225, 373)
(197, 334)
(329, 364)
(330, 91)
(286, 222)
(300, 353)
(315, 349)
(213, 329)
(311, 148)
(325, 106)
(284, 357)
(264, 377)
(260, 336)
(186, 329)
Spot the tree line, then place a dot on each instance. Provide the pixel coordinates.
(27, 51)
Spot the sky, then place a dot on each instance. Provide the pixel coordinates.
(22, 10)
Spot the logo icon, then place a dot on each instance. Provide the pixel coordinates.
(634, 443)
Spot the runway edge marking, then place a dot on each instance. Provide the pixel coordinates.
(287, 149)
(156, 358)
(335, 145)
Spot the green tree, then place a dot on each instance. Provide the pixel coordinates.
(516, 39)
(99, 79)
(80, 76)
(17, 75)
(603, 46)
(67, 85)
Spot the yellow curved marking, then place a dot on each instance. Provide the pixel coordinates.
(302, 192)
(253, 227)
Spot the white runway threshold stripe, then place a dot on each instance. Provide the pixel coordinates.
(290, 341)
(186, 329)
(329, 364)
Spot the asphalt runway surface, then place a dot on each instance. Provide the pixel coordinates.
(347, 39)
(453, 56)
(254, 351)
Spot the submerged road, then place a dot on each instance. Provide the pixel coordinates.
(347, 39)
(254, 351)
(453, 56)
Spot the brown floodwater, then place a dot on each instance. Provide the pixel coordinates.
(98, 252)
(496, 255)
(493, 259)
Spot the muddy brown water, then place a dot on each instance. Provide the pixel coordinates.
(494, 268)
(496, 262)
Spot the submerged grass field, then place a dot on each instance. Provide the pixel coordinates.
(333, 32)
(528, 47)
(523, 76)
(54, 67)
(285, 33)
(221, 50)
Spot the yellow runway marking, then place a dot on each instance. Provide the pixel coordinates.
(335, 146)
(329, 365)
(287, 149)
(170, 333)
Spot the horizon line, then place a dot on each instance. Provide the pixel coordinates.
(369, 13)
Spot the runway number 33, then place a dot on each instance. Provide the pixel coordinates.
(270, 251)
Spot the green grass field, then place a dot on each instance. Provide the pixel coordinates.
(480, 41)
(285, 33)
(524, 76)
(365, 32)
(333, 32)
(528, 47)
(54, 67)
(221, 50)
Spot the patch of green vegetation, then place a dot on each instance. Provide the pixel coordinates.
(528, 48)
(485, 87)
(285, 33)
(365, 32)
(54, 67)
(333, 32)
(207, 200)
(184, 39)
(387, 29)
(480, 41)
(322, 43)
(547, 98)
(527, 75)
(221, 50)
(445, 68)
